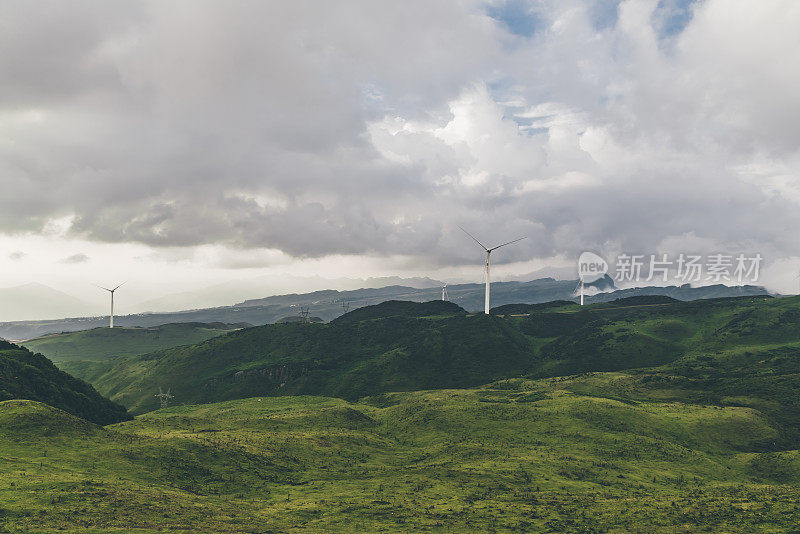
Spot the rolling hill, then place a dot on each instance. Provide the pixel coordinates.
(374, 349)
(514, 456)
(645, 414)
(409, 346)
(25, 375)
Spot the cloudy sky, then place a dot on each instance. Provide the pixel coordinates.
(189, 143)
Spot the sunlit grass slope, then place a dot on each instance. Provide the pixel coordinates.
(515, 456)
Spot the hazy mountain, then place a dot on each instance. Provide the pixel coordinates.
(239, 290)
(37, 301)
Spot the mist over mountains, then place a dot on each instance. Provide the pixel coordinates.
(38, 301)
(35, 301)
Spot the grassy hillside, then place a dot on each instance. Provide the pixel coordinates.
(347, 359)
(104, 343)
(24, 375)
(400, 346)
(637, 415)
(516, 456)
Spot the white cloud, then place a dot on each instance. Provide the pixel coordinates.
(286, 134)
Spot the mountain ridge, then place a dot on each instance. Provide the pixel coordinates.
(329, 304)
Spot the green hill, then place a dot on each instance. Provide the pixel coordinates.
(104, 343)
(515, 456)
(84, 354)
(401, 308)
(24, 375)
(347, 359)
(522, 309)
(400, 346)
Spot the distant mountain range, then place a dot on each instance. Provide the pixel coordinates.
(37, 301)
(329, 304)
(220, 294)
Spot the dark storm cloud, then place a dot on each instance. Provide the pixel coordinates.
(357, 127)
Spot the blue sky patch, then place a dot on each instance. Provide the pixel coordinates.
(517, 16)
(672, 16)
(604, 14)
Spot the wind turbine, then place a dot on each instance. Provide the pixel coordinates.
(444, 292)
(488, 258)
(580, 285)
(111, 319)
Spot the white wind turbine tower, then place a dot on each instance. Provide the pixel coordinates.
(444, 292)
(111, 319)
(580, 285)
(488, 258)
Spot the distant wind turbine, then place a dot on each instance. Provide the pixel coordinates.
(580, 285)
(488, 258)
(111, 318)
(444, 292)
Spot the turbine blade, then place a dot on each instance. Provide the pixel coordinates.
(101, 287)
(119, 286)
(504, 244)
(474, 239)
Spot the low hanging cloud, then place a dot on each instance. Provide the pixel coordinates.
(76, 258)
(319, 128)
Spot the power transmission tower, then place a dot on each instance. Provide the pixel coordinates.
(304, 313)
(164, 397)
(345, 306)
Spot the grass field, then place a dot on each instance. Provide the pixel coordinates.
(519, 455)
